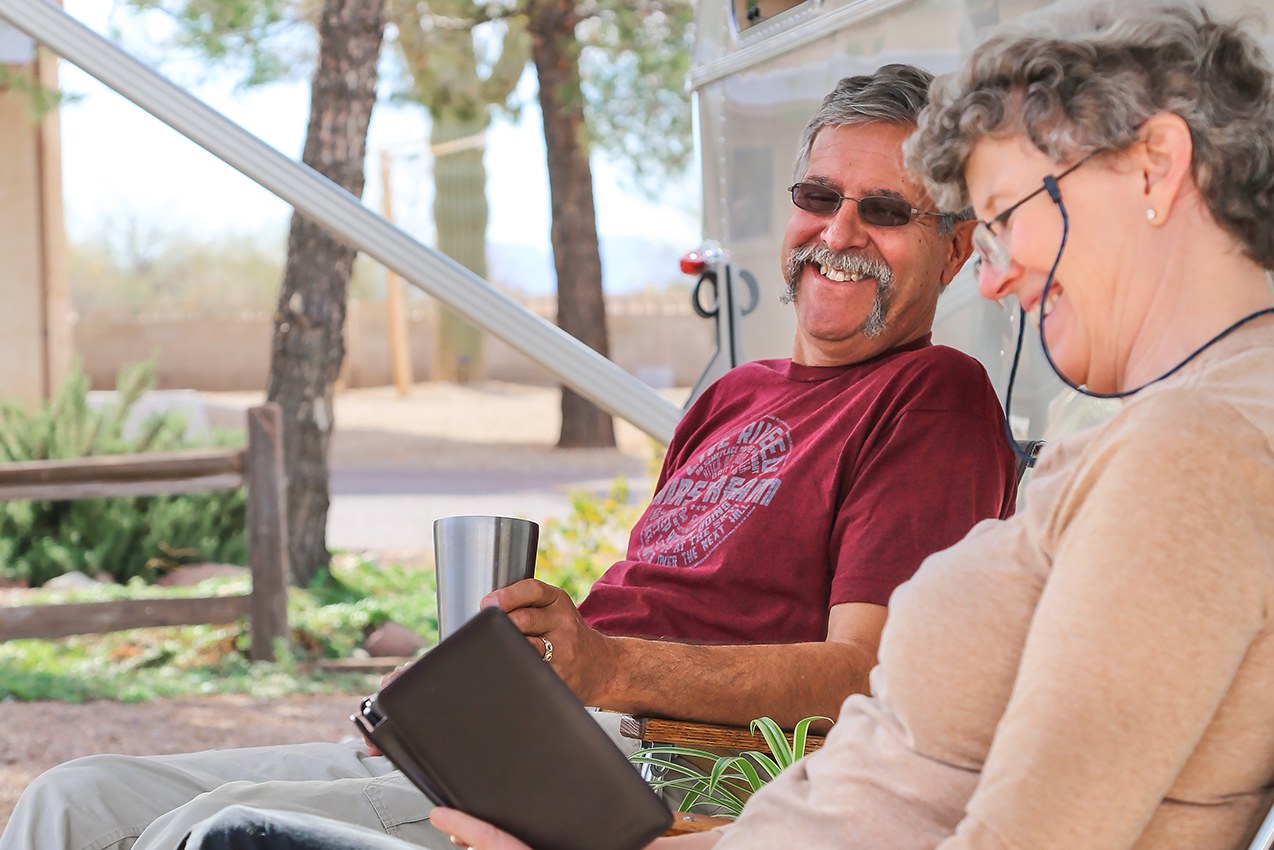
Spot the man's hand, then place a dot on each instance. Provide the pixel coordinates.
(543, 612)
(372, 749)
(712, 684)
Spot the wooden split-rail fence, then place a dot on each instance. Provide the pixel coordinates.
(259, 467)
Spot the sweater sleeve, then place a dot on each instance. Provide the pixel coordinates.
(1159, 585)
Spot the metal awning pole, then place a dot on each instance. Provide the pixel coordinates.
(318, 198)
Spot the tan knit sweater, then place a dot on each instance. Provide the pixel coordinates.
(1098, 671)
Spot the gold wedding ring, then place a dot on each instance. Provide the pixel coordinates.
(548, 648)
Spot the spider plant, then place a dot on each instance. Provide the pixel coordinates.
(730, 779)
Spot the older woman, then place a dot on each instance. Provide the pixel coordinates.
(1097, 672)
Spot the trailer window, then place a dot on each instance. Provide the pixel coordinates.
(749, 13)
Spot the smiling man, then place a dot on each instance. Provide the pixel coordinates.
(868, 282)
(866, 451)
(795, 496)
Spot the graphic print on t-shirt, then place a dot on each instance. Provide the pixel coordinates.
(714, 494)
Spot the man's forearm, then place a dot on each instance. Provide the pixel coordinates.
(731, 684)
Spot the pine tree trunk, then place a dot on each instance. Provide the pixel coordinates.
(309, 324)
(581, 310)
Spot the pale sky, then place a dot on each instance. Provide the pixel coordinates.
(119, 160)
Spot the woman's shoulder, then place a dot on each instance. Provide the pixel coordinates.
(1168, 470)
(1209, 409)
(1187, 435)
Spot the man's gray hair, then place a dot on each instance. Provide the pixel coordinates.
(1078, 78)
(895, 94)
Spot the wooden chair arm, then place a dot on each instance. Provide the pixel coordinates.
(684, 733)
(685, 823)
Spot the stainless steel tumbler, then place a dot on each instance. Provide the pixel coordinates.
(473, 556)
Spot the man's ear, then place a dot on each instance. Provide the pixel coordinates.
(959, 247)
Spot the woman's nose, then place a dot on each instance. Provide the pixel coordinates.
(997, 283)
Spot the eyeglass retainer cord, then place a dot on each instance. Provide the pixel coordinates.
(1050, 185)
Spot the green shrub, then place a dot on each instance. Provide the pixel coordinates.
(576, 550)
(141, 664)
(121, 537)
(326, 621)
(357, 594)
(145, 664)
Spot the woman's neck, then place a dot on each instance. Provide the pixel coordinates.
(1202, 284)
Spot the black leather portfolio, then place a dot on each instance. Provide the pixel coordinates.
(481, 724)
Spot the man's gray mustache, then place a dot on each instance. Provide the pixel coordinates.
(848, 262)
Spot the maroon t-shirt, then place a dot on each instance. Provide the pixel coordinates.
(788, 489)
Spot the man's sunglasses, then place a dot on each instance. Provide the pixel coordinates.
(877, 210)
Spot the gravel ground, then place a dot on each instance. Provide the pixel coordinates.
(36, 736)
(490, 426)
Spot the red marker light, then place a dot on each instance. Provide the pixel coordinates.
(693, 263)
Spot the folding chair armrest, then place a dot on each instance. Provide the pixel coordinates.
(685, 733)
(1028, 452)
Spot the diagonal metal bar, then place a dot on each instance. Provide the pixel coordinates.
(310, 193)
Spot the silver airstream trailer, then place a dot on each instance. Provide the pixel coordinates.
(760, 70)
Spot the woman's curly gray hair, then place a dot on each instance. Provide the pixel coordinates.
(1078, 78)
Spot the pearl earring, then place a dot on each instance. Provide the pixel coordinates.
(1151, 215)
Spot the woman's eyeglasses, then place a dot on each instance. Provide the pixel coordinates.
(876, 210)
(991, 250)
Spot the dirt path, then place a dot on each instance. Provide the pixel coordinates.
(440, 424)
(36, 736)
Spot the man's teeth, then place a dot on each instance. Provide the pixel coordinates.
(838, 275)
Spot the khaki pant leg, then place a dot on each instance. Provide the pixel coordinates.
(107, 802)
(388, 804)
(104, 802)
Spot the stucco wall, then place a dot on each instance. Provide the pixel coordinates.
(660, 340)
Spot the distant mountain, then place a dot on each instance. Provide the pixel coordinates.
(629, 264)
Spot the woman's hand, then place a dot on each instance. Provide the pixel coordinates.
(468, 831)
